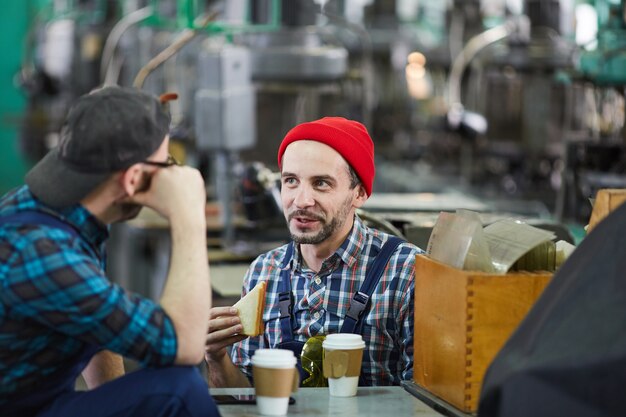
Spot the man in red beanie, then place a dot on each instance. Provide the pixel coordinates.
(337, 276)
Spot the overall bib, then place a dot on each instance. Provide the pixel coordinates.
(352, 322)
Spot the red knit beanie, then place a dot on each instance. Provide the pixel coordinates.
(347, 137)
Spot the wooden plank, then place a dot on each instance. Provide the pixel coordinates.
(606, 201)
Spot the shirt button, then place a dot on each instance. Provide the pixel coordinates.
(316, 315)
(318, 281)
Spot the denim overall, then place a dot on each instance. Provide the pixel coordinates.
(352, 322)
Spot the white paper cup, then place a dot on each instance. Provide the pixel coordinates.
(343, 387)
(343, 353)
(274, 371)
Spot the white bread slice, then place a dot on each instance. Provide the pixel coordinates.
(250, 310)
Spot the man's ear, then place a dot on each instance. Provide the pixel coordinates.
(361, 196)
(132, 179)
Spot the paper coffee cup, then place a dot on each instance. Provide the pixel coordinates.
(274, 371)
(343, 354)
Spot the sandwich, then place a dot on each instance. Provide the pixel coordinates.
(250, 310)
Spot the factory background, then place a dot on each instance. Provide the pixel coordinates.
(511, 108)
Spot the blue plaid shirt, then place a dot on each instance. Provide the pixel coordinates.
(55, 301)
(321, 301)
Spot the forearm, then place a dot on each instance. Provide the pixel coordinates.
(105, 366)
(187, 293)
(224, 374)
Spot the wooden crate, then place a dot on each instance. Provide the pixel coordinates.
(607, 200)
(462, 319)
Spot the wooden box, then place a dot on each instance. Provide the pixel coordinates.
(462, 319)
(606, 201)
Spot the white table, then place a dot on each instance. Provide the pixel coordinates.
(316, 402)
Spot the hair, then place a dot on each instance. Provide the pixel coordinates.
(354, 178)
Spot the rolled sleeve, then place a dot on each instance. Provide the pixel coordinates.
(67, 291)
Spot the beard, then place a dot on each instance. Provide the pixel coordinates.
(319, 237)
(328, 227)
(128, 211)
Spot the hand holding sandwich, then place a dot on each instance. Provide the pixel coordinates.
(224, 330)
(228, 325)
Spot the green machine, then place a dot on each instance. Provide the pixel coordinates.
(12, 102)
(606, 64)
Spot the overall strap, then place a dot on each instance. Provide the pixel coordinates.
(360, 299)
(285, 297)
(46, 219)
(40, 218)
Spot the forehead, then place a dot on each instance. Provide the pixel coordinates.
(313, 158)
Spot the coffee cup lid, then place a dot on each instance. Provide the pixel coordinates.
(343, 341)
(274, 358)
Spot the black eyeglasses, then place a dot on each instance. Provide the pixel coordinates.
(170, 161)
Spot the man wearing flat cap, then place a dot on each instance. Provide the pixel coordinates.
(336, 276)
(60, 315)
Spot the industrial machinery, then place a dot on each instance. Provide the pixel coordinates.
(505, 102)
(598, 159)
(60, 62)
(488, 98)
(245, 73)
(517, 110)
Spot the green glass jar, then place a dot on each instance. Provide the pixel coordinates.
(311, 358)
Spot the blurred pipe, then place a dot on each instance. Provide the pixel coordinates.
(364, 37)
(131, 19)
(170, 51)
(473, 47)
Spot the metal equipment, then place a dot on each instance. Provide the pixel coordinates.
(598, 159)
(515, 97)
(498, 102)
(245, 72)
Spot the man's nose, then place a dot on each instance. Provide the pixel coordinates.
(304, 197)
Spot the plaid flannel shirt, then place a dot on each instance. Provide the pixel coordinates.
(321, 301)
(55, 299)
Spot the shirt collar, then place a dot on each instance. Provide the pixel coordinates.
(90, 227)
(352, 247)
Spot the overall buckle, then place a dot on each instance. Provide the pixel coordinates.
(357, 305)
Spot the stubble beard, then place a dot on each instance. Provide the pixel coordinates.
(327, 228)
(128, 211)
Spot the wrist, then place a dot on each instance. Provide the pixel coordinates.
(216, 359)
(187, 223)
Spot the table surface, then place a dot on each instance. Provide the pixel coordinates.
(369, 401)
